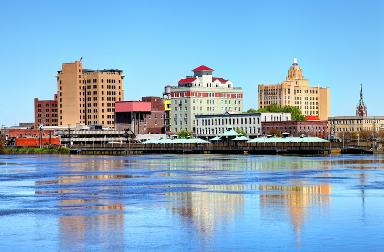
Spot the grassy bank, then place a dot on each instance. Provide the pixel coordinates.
(45, 150)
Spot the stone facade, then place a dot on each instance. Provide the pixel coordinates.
(296, 91)
(341, 124)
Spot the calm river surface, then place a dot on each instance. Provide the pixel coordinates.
(191, 203)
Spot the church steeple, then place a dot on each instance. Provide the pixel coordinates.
(361, 109)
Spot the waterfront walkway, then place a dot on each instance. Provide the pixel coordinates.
(219, 148)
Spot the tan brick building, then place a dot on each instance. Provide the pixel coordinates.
(296, 91)
(88, 96)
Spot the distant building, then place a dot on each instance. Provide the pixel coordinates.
(361, 109)
(27, 125)
(338, 125)
(341, 124)
(250, 123)
(167, 108)
(30, 137)
(46, 112)
(297, 128)
(295, 91)
(202, 94)
(88, 96)
(141, 117)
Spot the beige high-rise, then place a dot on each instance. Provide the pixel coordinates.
(88, 96)
(295, 91)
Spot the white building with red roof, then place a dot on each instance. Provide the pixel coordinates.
(202, 94)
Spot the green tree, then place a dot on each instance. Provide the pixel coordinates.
(241, 132)
(2, 144)
(296, 114)
(184, 134)
(251, 111)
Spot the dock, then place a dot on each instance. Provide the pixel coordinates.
(213, 148)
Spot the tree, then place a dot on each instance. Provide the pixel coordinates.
(365, 135)
(184, 134)
(2, 144)
(275, 132)
(296, 114)
(241, 132)
(251, 111)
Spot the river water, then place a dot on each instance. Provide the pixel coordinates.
(191, 203)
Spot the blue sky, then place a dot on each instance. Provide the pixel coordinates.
(339, 44)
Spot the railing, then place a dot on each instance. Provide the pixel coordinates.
(209, 148)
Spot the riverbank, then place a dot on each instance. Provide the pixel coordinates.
(44, 150)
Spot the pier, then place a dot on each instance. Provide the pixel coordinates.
(217, 148)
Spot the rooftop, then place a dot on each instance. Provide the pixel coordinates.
(288, 140)
(202, 68)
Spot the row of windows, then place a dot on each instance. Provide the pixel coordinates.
(47, 120)
(354, 121)
(46, 115)
(221, 130)
(226, 121)
(47, 110)
(47, 105)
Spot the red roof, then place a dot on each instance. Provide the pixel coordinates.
(133, 106)
(219, 79)
(187, 80)
(202, 68)
(312, 118)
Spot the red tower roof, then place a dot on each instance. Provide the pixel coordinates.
(187, 80)
(202, 68)
(222, 80)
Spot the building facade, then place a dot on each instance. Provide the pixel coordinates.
(202, 94)
(250, 123)
(88, 96)
(46, 112)
(141, 117)
(167, 108)
(297, 128)
(341, 124)
(296, 91)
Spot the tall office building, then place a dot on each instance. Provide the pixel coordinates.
(296, 91)
(202, 94)
(88, 96)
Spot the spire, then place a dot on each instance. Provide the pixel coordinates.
(361, 109)
(361, 91)
(295, 63)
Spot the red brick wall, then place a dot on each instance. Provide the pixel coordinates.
(34, 142)
(46, 112)
(296, 128)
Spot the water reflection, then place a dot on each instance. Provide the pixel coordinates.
(216, 205)
(88, 218)
(193, 202)
(296, 199)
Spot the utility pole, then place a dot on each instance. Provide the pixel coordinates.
(40, 135)
(69, 136)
